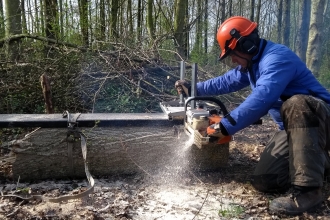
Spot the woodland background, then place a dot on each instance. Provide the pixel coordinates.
(123, 55)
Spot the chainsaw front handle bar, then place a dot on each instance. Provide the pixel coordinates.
(207, 98)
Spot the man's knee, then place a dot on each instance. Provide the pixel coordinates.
(300, 111)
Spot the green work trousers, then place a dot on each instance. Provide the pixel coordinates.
(298, 155)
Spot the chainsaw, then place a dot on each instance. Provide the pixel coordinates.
(196, 120)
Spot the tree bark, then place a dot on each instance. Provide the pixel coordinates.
(313, 55)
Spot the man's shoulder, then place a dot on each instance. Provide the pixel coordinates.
(275, 51)
(272, 47)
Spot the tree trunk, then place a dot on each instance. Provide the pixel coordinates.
(130, 18)
(150, 21)
(139, 20)
(84, 23)
(61, 17)
(286, 23)
(38, 28)
(206, 27)
(13, 27)
(252, 3)
(197, 48)
(279, 20)
(24, 24)
(258, 12)
(102, 20)
(230, 2)
(313, 55)
(303, 24)
(51, 19)
(46, 154)
(2, 21)
(180, 23)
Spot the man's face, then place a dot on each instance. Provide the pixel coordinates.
(240, 58)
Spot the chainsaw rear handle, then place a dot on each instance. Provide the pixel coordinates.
(207, 98)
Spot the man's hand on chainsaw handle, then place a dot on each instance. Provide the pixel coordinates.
(217, 130)
(214, 130)
(218, 133)
(183, 87)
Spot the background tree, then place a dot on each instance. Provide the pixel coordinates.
(313, 54)
(252, 5)
(84, 21)
(180, 25)
(13, 27)
(206, 26)
(2, 21)
(150, 20)
(279, 20)
(102, 24)
(286, 23)
(139, 19)
(51, 18)
(258, 11)
(303, 27)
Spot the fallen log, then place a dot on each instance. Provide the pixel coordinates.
(119, 149)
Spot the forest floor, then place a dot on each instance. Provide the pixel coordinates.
(225, 194)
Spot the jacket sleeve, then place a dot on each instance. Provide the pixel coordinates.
(231, 81)
(276, 70)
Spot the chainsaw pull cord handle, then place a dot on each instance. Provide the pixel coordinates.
(207, 98)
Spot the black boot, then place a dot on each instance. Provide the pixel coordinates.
(301, 200)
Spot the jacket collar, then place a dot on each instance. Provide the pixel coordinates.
(262, 46)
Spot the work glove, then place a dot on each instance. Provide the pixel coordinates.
(214, 132)
(183, 87)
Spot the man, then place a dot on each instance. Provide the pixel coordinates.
(285, 88)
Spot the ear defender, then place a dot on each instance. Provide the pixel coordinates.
(247, 46)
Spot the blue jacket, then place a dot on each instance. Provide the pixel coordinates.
(277, 71)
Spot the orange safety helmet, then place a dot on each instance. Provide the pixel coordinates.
(228, 42)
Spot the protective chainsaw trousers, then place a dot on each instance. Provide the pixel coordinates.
(298, 155)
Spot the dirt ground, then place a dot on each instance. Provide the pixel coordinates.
(173, 193)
